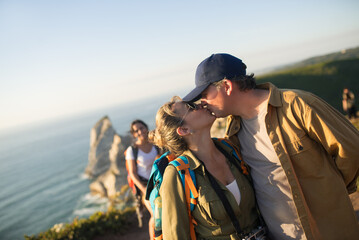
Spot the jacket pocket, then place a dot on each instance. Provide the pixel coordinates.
(306, 156)
(299, 146)
(210, 206)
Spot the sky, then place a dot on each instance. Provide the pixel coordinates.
(60, 58)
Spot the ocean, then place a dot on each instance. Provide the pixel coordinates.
(42, 179)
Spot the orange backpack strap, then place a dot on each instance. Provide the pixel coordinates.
(235, 153)
(189, 185)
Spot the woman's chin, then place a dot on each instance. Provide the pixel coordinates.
(213, 117)
(211, 120)
(142, 138)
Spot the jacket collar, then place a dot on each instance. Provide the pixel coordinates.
(274, 100)
(193, 161)
(274, 94)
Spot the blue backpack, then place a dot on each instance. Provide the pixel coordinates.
(188, 182)
(154, 184)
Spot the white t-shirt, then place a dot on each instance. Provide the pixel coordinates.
(144, 161)
(271, 185)
(234, 189)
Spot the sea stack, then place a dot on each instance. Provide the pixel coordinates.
(106, 159)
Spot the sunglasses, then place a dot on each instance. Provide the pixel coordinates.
(190, 106)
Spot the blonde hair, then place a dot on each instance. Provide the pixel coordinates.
(165, 135)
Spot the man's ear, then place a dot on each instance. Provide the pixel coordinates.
(183, 131)
(228, 86)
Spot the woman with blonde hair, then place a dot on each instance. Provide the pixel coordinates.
(184, 129)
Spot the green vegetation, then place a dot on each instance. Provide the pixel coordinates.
(325, 79)
(112, 221)
(336, 56)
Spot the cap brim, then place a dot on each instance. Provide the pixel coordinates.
(195, 94)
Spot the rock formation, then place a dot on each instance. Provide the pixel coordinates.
(106, 156)
(106, 159)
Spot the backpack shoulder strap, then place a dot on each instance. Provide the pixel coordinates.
(238, 161)
(188, 179)
(223, 141)
(158, 169)
(135, 152)
(189, 185)
(130, 181)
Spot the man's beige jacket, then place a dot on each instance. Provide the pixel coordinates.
(318, 149)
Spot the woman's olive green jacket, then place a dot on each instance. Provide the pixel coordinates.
(209, 213)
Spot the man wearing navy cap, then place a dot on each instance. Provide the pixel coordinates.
(303, 154)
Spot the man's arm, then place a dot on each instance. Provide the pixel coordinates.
(337, 135)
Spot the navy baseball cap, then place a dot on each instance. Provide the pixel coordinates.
(213, 69)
